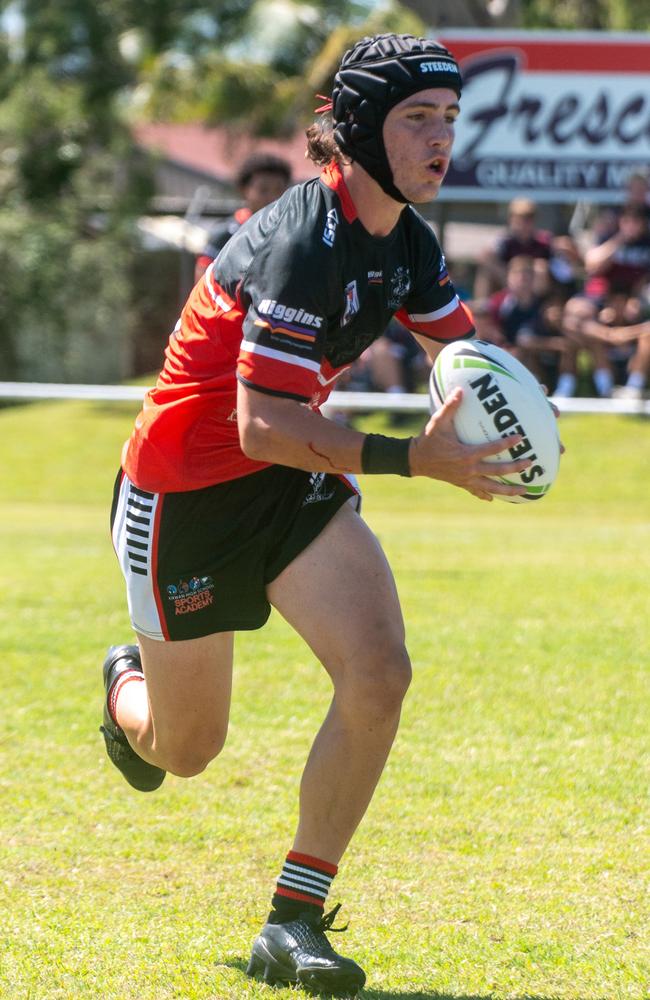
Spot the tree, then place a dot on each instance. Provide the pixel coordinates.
(604, 15)
(71, 187)
(467, 13)
(262, 62)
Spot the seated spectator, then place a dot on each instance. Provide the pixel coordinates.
(517, 305)
(638, 367)
(396, 362)
(565, 268)
(522, 238)
(261, 179)
(621, 263)
(637, 192)
(528, 325)
(618, 340)
(393, 363)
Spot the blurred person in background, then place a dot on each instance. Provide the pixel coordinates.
(526, 323)
(394, 363)
(637, 192)
(260, 180)
(617, 337)
(521, 238)
(565, 274)
(621, 263)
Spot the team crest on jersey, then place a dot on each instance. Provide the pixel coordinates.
(400, 286)
(317, 489)
(351, 303)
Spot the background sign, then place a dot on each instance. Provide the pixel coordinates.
(556, 116)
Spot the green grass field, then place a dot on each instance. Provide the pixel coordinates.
(507, 851)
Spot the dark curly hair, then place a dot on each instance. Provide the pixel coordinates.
(322, 147)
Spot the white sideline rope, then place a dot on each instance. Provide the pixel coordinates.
(348, 402)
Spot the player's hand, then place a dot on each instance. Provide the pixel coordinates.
(438, 454)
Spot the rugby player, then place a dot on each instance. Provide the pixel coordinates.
(235, 494)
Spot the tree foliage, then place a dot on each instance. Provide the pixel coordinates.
(262, 60)
(605, 15)
(74, 73)
(70, 187)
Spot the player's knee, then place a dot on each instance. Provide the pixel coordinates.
(189, 754)
(379, 686)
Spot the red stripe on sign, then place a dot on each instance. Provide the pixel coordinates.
(561, 56)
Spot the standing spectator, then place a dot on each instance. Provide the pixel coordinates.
(261, 179)
(522, 238)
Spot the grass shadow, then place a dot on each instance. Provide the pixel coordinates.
(372, 994)
(437, 995)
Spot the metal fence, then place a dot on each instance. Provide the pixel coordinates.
(347, 402)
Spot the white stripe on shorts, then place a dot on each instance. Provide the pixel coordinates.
(133, 538)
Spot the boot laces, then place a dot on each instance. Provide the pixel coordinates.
(326, 921)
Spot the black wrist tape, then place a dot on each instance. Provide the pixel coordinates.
(381, 454)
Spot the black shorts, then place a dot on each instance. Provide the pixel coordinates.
(199, 562)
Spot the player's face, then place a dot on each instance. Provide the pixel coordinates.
(418, 136)
(263, 188)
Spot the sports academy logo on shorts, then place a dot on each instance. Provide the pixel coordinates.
(191, 595)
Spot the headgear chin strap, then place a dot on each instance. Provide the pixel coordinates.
(375, 75)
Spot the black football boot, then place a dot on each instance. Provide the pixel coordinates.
(298, 952)
(138, 772)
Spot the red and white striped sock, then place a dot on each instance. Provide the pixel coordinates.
(116, 688)
(303, 882)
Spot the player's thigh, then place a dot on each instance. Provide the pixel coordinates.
(339, 594)
(189, 685)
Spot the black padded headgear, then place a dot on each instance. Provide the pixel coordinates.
(375, 75)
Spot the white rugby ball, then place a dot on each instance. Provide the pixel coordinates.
(500, 397)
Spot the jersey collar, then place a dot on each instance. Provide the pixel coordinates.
(332, 177)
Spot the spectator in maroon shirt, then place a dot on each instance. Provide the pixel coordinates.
(622, 262)
(521, 320)
(522, 238)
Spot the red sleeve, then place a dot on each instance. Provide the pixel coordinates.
(278, 356)
(432, 308)
(452, 321)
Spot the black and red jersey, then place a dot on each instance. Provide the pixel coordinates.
(295, 297)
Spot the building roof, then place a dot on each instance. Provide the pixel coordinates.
(218, 151)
